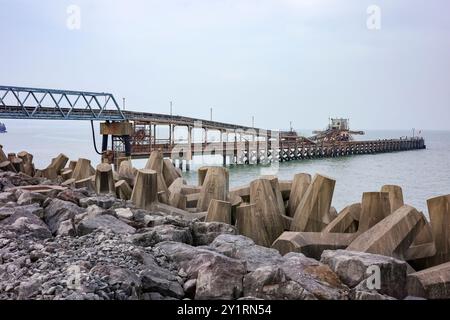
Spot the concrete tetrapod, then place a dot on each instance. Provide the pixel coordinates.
(215, 186)
(439, 210)
(432, 283)
(145, 191)
(312, 244)
(53, 170)
(393, 235)
(250, 224)
(263, 196)
(82, 169)
(277, 191)
(156, 163)
(300, 184)
(313, 211)
(375, 206)
(104, 180)
(219, 211)
(347, 220)
(395, 196)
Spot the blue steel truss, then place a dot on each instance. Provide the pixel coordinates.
(50, 104)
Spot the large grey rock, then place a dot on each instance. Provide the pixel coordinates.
(27, 223)
(157, 279)
(205, 232)
(104, 202)
(271, 283)
(243, 248)
(30, 198)
(119, 278)
(163, 233)
(58, 211)
(33, 209)
(66, 229)
(355, 267)
(104, 222)
(73, 196)
(6, 197)
(218, 276)
(315, 277)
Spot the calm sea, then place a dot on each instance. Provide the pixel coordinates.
(422, 174)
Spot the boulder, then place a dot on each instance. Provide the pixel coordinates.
(314, 277)
(353, 268)
(27, 223)
(27, 198)
(104, 222)
(104, 202)
(162, 233)
(118, 277)
(73, 196)
(58, 211)
(271, 283)
(157, 279)
(242, 248)
(204, 233)
(218, 277)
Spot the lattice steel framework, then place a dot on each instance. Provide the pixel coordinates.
(50, 104)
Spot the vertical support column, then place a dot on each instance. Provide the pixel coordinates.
(258, 158)
(189, 153)
(224, 148)
(154, 136)
(235, 151)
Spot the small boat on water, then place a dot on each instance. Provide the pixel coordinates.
(2, 128)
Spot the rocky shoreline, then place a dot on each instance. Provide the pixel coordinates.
(72, 232)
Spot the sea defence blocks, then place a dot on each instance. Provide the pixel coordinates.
(312, 214)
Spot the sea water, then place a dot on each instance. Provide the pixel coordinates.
(422, 174)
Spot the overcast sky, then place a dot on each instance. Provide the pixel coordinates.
(279, 60)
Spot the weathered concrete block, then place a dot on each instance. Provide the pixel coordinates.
(219, 211)
(393, 235)
(312, 244)
(432, 283)
(347, 220)
(104, 180)
(298, 189)
(266, 208)
(313, 210)
(249, 224)
(145, 191)
(215, 186)
(375, 207)
(395, 196)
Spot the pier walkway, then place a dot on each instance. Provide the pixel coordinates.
(134, 134)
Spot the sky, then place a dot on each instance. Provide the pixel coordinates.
(277, 60)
